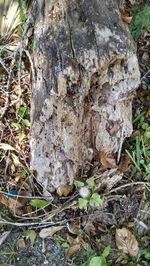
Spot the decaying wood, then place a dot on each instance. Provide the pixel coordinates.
(86, 73)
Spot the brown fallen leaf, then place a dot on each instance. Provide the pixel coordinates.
(6, 147)
(107, 159)
(126, 242)
(20, 244)
(127, 19)
(124, 163)
(73, 241)
(73, 228)
(15, 205)
(50, 231)
(90, 229)
(72, 250)
(64, 190)
(12, 203)
(16, 160)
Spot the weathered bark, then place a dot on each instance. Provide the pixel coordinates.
(86, 72)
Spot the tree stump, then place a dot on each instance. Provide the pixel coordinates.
(86, 74)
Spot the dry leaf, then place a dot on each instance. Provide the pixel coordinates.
(110, 181)
(126, 242)
(107, 159)
(72, 250)
(124, 163)
(12, 168)
(20, 243)
(126, 19)
(50, 231)
(16, 161)
(6, 147)
(73, 241)
(90, 229)
(64, 190)
(145, 56)
(73, 228)
(13, 204)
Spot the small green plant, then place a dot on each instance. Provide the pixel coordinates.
(9, 253)
(100, 260)
(23, 121)
(39, 203)
(88, 196)
(140, 21)
(145, 252)
(25, 171)
(139, 149)
(23, 12)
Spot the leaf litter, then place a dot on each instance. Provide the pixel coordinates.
(126, 242)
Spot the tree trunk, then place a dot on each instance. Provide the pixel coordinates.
(86, 73)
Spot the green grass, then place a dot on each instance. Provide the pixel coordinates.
(140, 21)
(138, 148)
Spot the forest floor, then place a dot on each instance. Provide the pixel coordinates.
(112, 227)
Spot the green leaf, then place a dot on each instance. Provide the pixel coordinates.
(82, 203)
(23, 8)
(38, 203)
(148, 169)
(145, 125)
(147, 134)
(26, 122)
(90, 182)
(30, 233)
(95, 200)
(139, 25)
(106, 252)
(146, 254)
(22, 111)
(25, 171)
(97, 261)
(65, 245)
(78, 184)
(21, 136)
(16, 125)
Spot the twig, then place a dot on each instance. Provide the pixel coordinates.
(4, 66)
(32, 64)
(25, 197)
(145, 75)
(128, 185)
(120, 144)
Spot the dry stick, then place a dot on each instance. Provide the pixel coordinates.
(120, 144)
(26, 197)
(3, 222)
(128, 185)
(43, 222)
(145, 75)
(31, 63)
(4, 66)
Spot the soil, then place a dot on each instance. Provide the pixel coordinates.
(19, 251)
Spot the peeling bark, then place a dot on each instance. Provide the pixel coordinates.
(86, 75)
